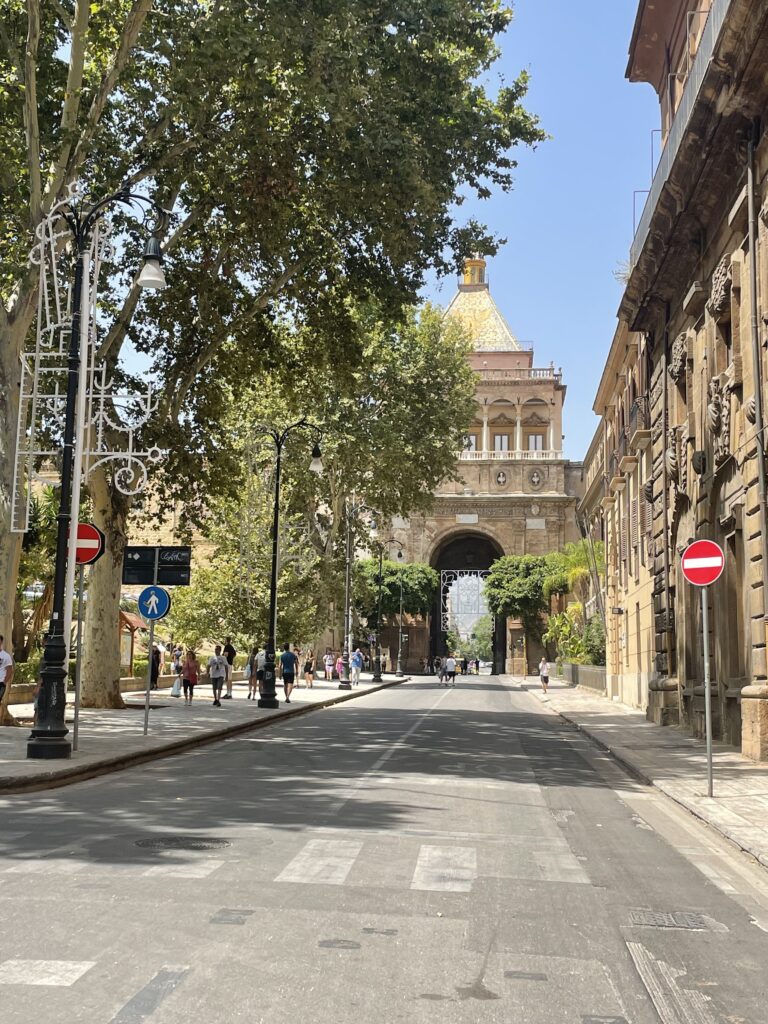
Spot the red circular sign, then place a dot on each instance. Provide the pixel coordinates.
(90, 543)
(703, 562)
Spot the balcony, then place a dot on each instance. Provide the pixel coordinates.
(701, 62)
(639, 425)
(546, 374)
(511, 456)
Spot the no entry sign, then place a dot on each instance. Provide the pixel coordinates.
(703, 562)
(90, 543)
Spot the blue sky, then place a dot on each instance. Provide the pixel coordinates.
(568, 223)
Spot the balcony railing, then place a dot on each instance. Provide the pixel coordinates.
(707, 44)
(547, 373)
(510, 456)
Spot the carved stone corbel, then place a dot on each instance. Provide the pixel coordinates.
(720, 295)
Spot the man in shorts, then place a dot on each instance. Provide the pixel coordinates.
(229, 653)
(289, 665)
(217, 673)
(355, 666)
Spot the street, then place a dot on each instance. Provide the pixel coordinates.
(418, 854)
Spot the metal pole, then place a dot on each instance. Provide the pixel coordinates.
(344, 683)
(149, 675)
(76, 725)
(268, 698)
(377, 662)
(707, 684)
(399, 672)
(77, 458)
(47, 739)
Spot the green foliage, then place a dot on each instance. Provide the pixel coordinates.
(420, 583)
(514, 588)
(479, 644)
(594, 640)
(566, 633)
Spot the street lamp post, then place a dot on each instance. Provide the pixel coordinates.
(344, 682)
(48, 738)
(268, 695)
(377, 662)
(399, 672)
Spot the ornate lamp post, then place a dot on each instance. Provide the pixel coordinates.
(379, 580)
(353, 509)
(77, 223)
(268, 698)
(399, 672)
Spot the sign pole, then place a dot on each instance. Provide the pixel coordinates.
(79, 662)
(707, 684)
(149, 675)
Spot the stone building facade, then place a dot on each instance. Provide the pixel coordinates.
(516, 493)
(690, 348)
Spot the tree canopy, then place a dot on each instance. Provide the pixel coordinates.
(420, 583)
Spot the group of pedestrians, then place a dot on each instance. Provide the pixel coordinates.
(446, 669)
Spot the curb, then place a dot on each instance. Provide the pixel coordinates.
(10, 785)
(760, 857)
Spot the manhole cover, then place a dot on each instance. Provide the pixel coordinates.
(664, 919)
(183, 843)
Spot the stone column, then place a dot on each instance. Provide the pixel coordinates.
(486, 442)
(519, 430)
(550, 445)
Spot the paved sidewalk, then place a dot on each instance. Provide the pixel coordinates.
(673, 762)
(111, 740)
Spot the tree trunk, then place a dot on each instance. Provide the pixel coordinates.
(10, 543)
(101, 636)
(20, 647)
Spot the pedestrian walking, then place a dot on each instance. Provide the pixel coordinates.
(356, 666)
(328, 665)
(6, 669)
(178, 658)
(464, 666)
(217, 673)
(340, 666)
(261, 662)
(229, 653)
(437, 666)
(288, 666)
(450, 671)
(154, 674)
(544, 673)
(309, 668)
(250, 673)
(190, 673)
(477, 666)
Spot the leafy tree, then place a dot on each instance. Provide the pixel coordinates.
(420, 583)
(594, 640)
(326, 171)
(479, 643)
(514, 588)
(565, 632)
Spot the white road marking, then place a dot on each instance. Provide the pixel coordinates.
(46, 866)
(674, 1005)
(43, 972)
(192, 869)
(322, 861)
(559, 866)
(336, 807)
(445, 869)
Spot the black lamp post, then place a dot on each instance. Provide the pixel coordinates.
(48, 739)
(268, 697)
(399, 672)
(380, 580)
(352, 510)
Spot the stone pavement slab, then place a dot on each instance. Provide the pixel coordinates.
(673, 762)
(110, 740)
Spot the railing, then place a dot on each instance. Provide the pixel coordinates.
(701, 61)
(509, 456)
(548, 373)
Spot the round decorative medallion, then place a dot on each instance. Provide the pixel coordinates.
(534, 510)
(501, 478)
(535, 479)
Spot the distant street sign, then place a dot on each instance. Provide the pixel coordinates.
(90, 544)
(173, 565)
(703, 562)
(154, 603)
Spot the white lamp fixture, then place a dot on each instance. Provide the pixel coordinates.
(152, 276)
(316, 465)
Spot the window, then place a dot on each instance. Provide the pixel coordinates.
(470, 442)
(535, 442)
(501, 442)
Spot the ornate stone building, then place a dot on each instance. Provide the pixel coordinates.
(516, 493)
(695, 312)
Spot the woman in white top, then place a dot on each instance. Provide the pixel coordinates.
(544, 673)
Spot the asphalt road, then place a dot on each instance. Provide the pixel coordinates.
(420, 854)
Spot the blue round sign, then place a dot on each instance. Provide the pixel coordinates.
(154, 603)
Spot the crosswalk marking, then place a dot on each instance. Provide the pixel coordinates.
(445, 869)
(43, 972)
(192, 869)
(324, 861)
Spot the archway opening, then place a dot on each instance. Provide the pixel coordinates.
(460, 608)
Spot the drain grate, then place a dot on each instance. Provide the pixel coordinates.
(183, 843)
(665, 919)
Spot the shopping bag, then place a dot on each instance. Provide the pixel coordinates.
(176, 689)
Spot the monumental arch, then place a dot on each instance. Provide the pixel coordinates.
(516, 494)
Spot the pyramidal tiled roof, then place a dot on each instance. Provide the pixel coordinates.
(474, 306)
